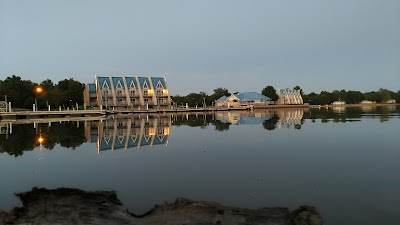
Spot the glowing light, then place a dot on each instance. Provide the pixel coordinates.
(39, 90)
(40, 140)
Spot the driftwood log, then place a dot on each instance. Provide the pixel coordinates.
(72, 206)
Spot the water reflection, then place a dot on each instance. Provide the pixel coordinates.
(134, 131)
(128, 132)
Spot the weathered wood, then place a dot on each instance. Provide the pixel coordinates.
(73, 206)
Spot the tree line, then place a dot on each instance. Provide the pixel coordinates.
(322, 98)
(22, 93)
(351, 97)
(69, 92)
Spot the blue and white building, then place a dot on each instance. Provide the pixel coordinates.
(126, 92)
(245, 99)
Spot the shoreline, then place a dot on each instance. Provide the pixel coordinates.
(80, 114)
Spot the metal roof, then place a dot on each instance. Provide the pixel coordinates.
(223, 98)
(155, 81)
(251, 96)
(92, 88)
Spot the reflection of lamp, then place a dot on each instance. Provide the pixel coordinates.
(40, 140)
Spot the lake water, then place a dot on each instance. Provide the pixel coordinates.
(343, 161)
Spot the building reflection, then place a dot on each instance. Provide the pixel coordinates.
(128, 132)
(278, 117)
(290, 117)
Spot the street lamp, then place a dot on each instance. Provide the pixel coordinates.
(38, 90)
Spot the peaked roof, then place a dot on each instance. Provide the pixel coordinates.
(92, 88)
(251, 96)
(155, 81)
(223, 98)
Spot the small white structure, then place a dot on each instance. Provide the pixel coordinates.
(391, 101)
(244, 99)
(367, 102)
(289, 97)
(339, 103)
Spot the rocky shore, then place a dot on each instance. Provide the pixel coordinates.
(72, 206)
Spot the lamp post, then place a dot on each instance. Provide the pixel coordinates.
(38, 91)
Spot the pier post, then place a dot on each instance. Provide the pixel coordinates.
(49, 108)
(34, 107)
(9, 107)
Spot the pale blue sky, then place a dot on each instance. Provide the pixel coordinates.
(201, 45)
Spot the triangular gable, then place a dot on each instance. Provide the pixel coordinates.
(132, 85)
(147, 138)
(161, 137)
(159, 85)
(107, 140)
(119, 85)
(105, 85)
(121, 140)
(134, 139)
(232, 97)
(145, 85)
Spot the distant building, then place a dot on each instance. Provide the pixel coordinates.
(367, 102)
(338, 103)
(391, 101)
(289, 97)
(244, 99)
(127, 92)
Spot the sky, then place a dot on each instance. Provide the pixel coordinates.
(202, 45)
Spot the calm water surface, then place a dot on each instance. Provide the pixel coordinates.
(343, 161)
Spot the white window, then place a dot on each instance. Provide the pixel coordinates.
(132, 92)
(145, 92)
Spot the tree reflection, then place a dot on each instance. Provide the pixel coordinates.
(220, 126)
(25, 137)
(22, 139)
(271, 124)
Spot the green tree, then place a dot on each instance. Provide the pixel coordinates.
(270, 91)
(384, 95)
(218, 93)
(354, 97)
(398, 96)
(70, 92)
(371, 96)
(298, 88)
(19, 92)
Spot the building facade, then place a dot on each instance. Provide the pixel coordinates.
(244, 99)
(289, 97)
(127, 92)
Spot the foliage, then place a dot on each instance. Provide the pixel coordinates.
(21, 93)
(350, 97)
(270, 91)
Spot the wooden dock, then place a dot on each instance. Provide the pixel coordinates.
(50, 114)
